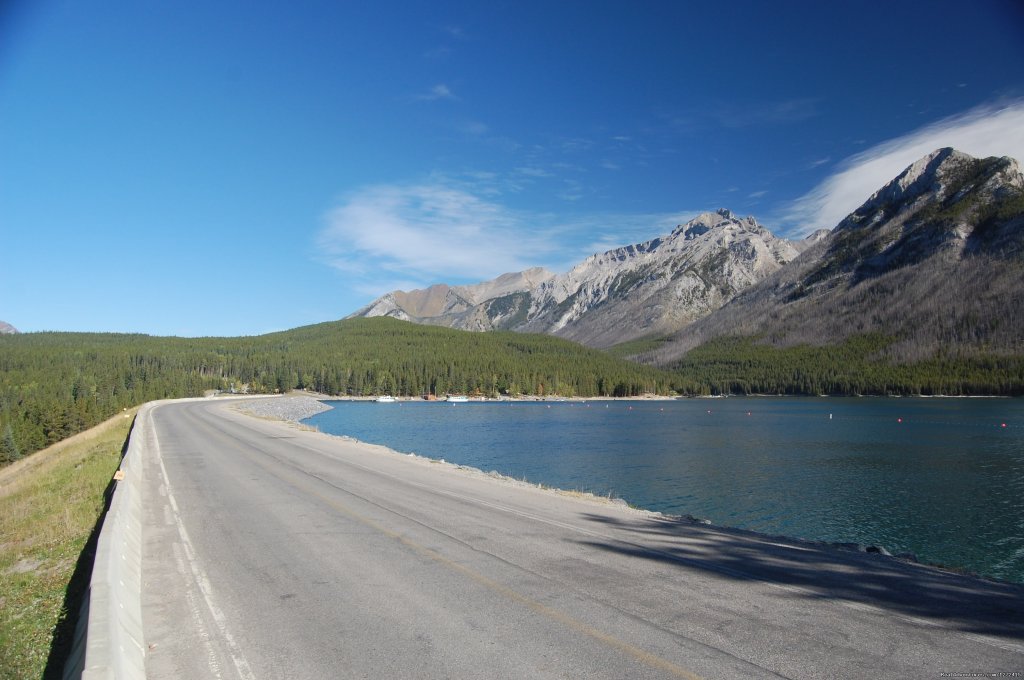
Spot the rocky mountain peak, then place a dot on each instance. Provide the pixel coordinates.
(7, 329)
(720, 219)
(651, 287)
(932, 259)
(921, 177)
(658, 285)
(945, 203)
(947, 218)
(456, 306)
(924, 174)
(943, 176)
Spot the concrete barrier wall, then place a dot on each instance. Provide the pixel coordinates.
(108, 639)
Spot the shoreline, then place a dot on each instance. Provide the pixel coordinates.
(642, 398)
(477, 400)
(299, 407)
(293, 414)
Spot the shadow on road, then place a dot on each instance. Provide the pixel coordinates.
(822, 571)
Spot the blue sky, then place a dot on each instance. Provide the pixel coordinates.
(233, 168)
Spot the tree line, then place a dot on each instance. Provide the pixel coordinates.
(861, 364)
(53, 385)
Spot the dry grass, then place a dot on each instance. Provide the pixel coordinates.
(48, 509)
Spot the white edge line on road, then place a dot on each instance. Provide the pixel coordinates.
(203, 584)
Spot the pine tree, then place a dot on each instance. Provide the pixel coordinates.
(9, 451)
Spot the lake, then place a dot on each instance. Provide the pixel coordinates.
(940, 478)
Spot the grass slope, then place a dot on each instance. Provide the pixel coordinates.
(50, 505)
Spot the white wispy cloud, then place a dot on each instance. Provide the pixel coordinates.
(439, 52)
(439, 91)
(533, 171)
(615, 230)
(454, 31)
(765, 113)
(576, 145)
(390, 236)
(572, 190)
(405, 236)
(710, 115)
(474, 128)
(987, 130)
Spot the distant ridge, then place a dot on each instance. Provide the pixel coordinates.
(661, 285)
(491, 305)
(7, 329)
(655, 287)
(934, 260)
(931, 265)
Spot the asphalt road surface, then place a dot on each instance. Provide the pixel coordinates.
(274, 552)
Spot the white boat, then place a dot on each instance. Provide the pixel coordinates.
(385, 399)
(457, 398)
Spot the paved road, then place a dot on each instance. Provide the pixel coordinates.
(272, 552)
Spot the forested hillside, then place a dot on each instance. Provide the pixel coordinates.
(858, 365)
(53, 385)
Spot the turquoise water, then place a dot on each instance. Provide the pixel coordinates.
(940, 478)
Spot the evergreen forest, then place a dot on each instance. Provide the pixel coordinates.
(860, 365)
(53, 385)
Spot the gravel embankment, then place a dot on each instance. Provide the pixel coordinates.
(292, 409)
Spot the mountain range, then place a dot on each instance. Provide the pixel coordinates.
(933, 260)
(655, 287)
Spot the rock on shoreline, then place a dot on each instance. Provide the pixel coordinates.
(292, 409)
